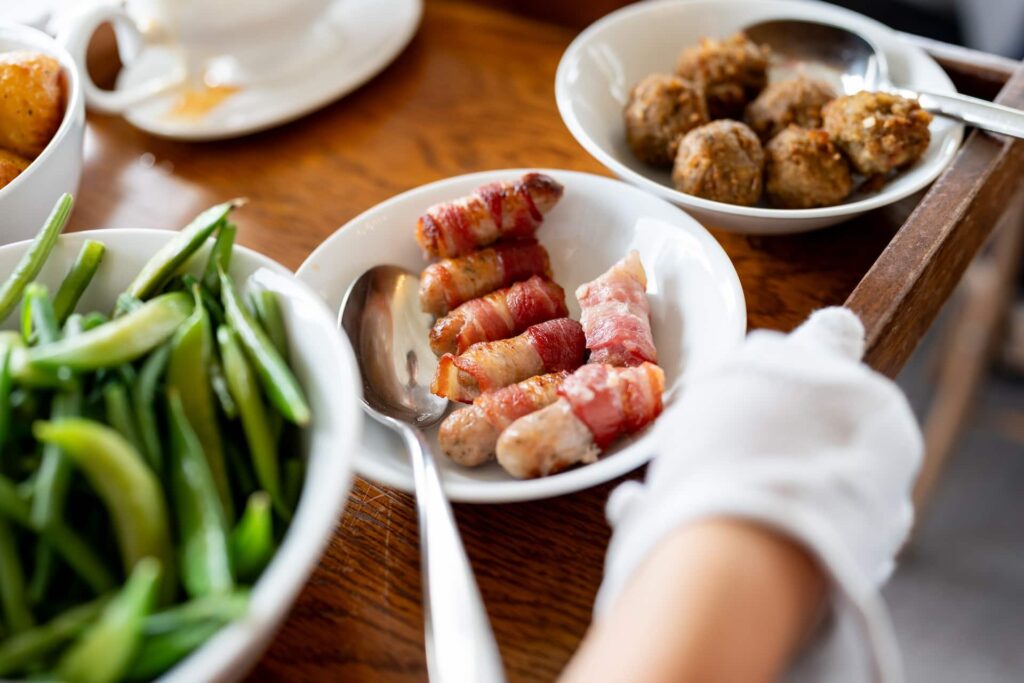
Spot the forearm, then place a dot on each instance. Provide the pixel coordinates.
(718, 601)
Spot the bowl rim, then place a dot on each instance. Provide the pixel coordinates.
(837, 15)
(34, 39)
(565, 483)
(234, 649)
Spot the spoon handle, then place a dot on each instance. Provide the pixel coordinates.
(460, 644)
(979, 113)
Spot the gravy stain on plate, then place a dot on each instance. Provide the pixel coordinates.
(197, 102)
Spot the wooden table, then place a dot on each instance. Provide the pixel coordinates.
(474, 91)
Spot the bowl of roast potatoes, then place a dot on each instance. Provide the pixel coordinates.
(42, 126)
(713, 125)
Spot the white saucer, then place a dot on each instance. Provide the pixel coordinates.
(359, 38)
(697, 307)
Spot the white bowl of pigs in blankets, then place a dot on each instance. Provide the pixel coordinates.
(697, 310)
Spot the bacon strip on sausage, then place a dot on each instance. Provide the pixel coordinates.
(498, 315)
(598, 404)
(449, 283)
(495, 211)
(616, 315)
(488, 366)
(468, 436)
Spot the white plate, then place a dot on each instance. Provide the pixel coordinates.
(599, 68)
(697, 305)
(357, 40)
(324, 364)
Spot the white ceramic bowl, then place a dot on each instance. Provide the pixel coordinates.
(27, 200)
(697, 306)
(323, 363)
(599, 68)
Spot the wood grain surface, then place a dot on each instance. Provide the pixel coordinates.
(474, 91)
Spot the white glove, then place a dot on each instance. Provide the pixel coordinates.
(793, 432)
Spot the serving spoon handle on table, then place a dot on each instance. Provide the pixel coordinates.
(390, 337)
(859, 64)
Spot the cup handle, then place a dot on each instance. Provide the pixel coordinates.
(76, 34)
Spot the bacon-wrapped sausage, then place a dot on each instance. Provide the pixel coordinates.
(616, 315)
(488, 366)
(452, 282)
(468, 436)
(498, 315)
(597, 405)
(494, 211)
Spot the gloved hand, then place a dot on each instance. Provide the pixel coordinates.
(795, 433)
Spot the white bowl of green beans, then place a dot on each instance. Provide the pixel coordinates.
(173, 452)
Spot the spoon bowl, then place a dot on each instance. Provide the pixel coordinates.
(828, 51)
(847, 60)
(382, 319)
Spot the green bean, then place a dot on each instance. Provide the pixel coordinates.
(205, 562)
(36, 377)
(12, 584)
(120, 415)
(37, 315)
(51, 482)
(223, 608)
(157, 654)
(219, 383)
(42, 573)
(128, 488)
(143, 397)
(103, 653)
(119, 341)
(65, 542)
(191, 351)
(220, 256)
(209, 300)
(6, 384)
(126, 303)
(166, 262)
(278, 381)
(91, 321)
(78, 279)
(34, 258)
(50, 489)
(21, 650)
(268, 311)
(245, 391)
(252, 540)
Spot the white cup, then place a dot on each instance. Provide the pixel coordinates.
(231, 42)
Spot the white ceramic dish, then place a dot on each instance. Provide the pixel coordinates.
(697, 304)
(323, 363)
(599, 68)
(27, 200)
(356, 41)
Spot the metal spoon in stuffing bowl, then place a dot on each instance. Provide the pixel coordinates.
(854, 63)
(382, 317)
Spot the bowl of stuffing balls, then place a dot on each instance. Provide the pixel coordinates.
(676, 99)
(42, 127)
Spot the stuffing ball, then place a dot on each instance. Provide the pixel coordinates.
(731, 71)
(722, 161)
(798, 100)
(879, 132)
(803, 170)
(661, 109)
(31, 101)
(10, 166)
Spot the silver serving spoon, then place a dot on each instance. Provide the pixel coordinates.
(382, 318)
(854, 63)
